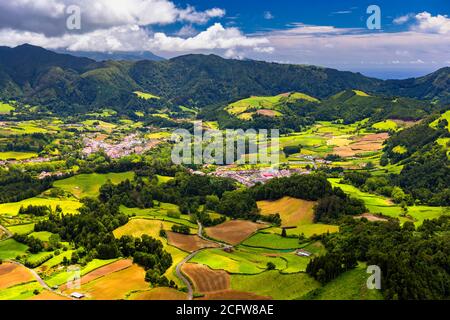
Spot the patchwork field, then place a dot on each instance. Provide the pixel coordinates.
(88, 185)
(189, 243)
(234, 232)
(377, 204)
(114, 285)
(361, 145)
(12, 274)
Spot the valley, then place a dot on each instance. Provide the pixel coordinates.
(93, 207)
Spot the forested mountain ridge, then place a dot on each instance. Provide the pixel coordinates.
(38, 76)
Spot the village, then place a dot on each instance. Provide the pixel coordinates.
(131, 144)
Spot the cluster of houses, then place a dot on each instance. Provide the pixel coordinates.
(131, 144)
(249, 178)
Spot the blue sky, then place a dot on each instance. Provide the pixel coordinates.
(414, 38)
(343, 13)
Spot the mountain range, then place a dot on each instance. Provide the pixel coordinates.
(38, 76)
(115, 55)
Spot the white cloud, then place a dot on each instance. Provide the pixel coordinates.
(268, 15)
(342, 12)
(134, 38)
(215, 37)
(187, 31)
(432, 24)
(49, 16)
(403, 19)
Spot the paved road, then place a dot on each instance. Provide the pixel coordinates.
(189, 257)
(7, 232)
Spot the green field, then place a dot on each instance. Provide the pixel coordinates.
(88, 185)
(159, 213)
(245, 108)
(275, 284)
(385, 125)
(380, 205)
(22, 229)
(271, 241)
(146, 96)
(12, 208)
(60, 278)
(6, 108)
(445, 116)
(12, 155)
(20, 292)
(351, 285)
(246, 260)
(10, 249)
(42, 235)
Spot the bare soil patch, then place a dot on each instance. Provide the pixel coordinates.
(234, 232)
(206, 280)
(12, 274)
(189, 243)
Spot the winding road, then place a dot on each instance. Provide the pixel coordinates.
(40, 280)
(192, 255)
(7, 232)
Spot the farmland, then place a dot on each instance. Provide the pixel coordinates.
(88, 185)
(233, 232)
(204, 246)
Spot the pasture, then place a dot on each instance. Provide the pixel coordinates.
(10, 249)
(271, 241)
(351, 285)
(285, 286)
(241, 261)
(88, 185)
(377, 204)
(21, 228)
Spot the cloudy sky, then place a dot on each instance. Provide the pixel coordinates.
(414, 38)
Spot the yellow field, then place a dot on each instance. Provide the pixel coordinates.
(139, 227)
(115, 286)
(17, 155)
(159, 294)
(68, 206)
(295, 213)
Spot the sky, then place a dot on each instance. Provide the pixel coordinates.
(413, 38)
